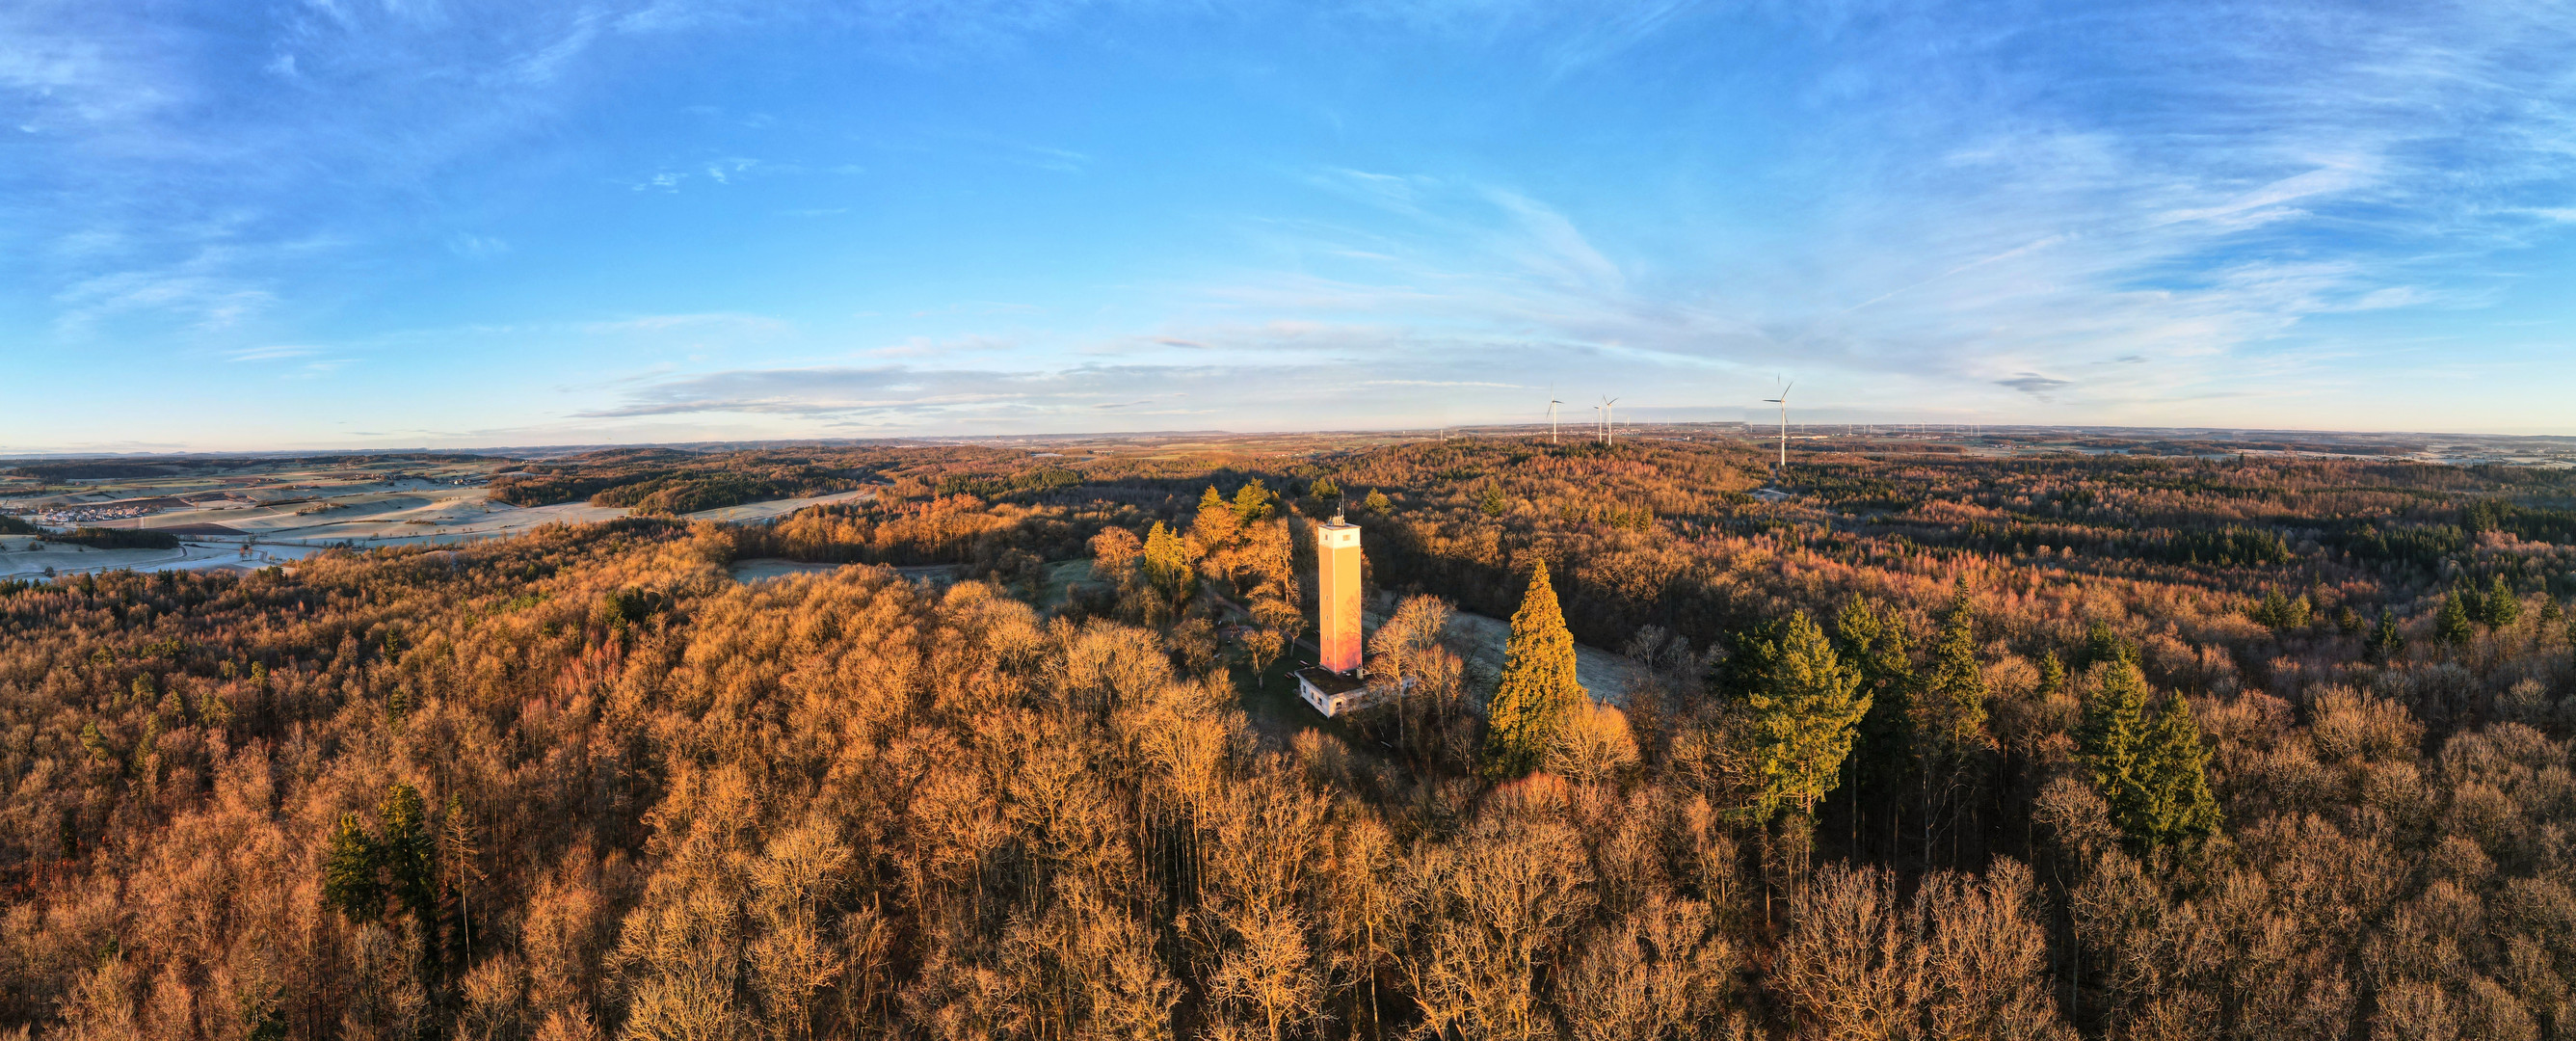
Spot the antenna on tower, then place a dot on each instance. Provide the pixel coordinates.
(1783, 402)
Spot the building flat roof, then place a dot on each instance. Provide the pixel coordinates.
(1331, 682)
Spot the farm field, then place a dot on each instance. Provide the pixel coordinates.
(283, 510)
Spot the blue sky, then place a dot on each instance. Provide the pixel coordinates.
(381, 223)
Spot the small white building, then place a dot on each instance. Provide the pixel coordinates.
(1332, 693)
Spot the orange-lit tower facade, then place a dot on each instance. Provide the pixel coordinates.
(1337, 595)
(1333, 685)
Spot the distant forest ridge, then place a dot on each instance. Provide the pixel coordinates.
(170, 466)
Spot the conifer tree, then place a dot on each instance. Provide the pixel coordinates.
(1804, 705)
(2386, 643)
(2271, 612)
(2152, 772)
(95, 743)
(2052, 674)
(1167, 564)
(408, 851)
(349, 869)
(1950, 714)
(2502, 607)
(1376, 501)
(1252, 502)
(1873, 640)
(2180, 804)
(2113, 736)
(2453, 625)
(1539, 690)
(2102, 645)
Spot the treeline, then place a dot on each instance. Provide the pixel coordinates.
(946, 529)
(131, 469)
(116, 538)
(664, 481)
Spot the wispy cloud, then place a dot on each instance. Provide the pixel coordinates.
(933, 347)
(2035, 385)
(476, 247)
(841, 391)
(664, 323)
(1245, 396)
(1989, 223)
(277, 353)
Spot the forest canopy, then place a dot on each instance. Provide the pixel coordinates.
(1944, 746)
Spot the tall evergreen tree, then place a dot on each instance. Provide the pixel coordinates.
(408, 851)
(1252, 502)
(2502, 607)
(2113, 736)
(2101, 644)
(2453, 626)
(2386, 643)
(1950, 711)
(1872, 638)
(2052, 674)
(2180, 804)
(1949, 716)
(1804, 705)
(349, 870)
(2278, 612)
(1539, 690)
(2152, 771)
(1167, 564)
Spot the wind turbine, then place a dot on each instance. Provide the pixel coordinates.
(1609, 427)
(1783, 402)
(1552, 403)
